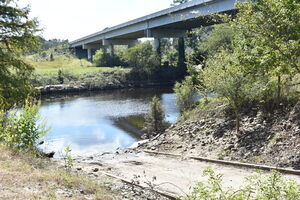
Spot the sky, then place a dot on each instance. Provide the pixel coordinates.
(72, 19)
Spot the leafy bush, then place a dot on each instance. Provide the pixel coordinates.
(257, 56)
(262, 187)
(169, 53)
(22, 130)
(154, 120)
(184, 93)
(225, 77)
(142, 58)
(104, 59)
(64, 76)
(221, 36)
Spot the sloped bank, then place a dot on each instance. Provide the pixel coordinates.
(209, 131)
(82, 87)
(103, 80)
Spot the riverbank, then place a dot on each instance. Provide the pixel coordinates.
(115, 78)
(84, 87)
(23, 176)
(209, 131)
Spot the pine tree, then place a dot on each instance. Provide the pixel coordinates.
(155, 118)
(17, 36)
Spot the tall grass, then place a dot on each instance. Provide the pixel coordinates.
(67, 63)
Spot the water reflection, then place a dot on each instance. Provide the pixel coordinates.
(104, 121)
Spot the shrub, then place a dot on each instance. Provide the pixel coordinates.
(225, 77)
(142, 58)
(184, 93)
(64, 76)
(264, 187)
(22, 130)
(154, 120)
(104, 59)
(220, 37)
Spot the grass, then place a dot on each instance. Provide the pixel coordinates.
(23, 176)
(67, 63)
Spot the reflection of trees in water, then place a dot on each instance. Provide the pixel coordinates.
(119, 94)
(132, 125)
(62, 104)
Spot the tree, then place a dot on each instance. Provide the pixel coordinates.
(102, 58)
(207, 41)
(142, 58)
(155, 118)
(224, 76)
(268, 34)
(17, 36)
(220, 36)
(184, 93)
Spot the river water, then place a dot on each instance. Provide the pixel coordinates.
(100, 121)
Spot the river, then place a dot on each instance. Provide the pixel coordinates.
(100, 121)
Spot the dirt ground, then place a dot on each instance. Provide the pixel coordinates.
(173, 175)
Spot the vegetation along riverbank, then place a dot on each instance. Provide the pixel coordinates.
(250, 88)
(246, 71)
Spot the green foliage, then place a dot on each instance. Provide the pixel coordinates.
(16, 37)
(207, 41)
(154, 120)
(142, 58)
(52, 43)
(22, 130)
(220, 37)
(51, 57)
(103, 59)
(169, 53)
(263, 187)
(184, 93)
(64, 76)
(68, 158)
(268, 39)
(254, 56)
(225, 77)
(101, 77)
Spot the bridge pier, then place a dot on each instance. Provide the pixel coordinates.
(157, 45)
(111, 50)
(90, 56)
(181, 56)
(91, 50)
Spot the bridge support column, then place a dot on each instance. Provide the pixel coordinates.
(157, 46)
(181, 56)
(111, 50)
(90, 55)
(91, 50)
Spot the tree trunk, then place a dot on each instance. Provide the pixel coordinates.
(237, 124)
(278, 90)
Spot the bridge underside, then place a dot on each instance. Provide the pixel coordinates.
(174, 22)
(173, 30)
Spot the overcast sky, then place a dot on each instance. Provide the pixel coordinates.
(72, 19)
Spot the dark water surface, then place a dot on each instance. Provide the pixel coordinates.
(101, 121)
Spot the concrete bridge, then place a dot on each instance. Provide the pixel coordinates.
(173, 22)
